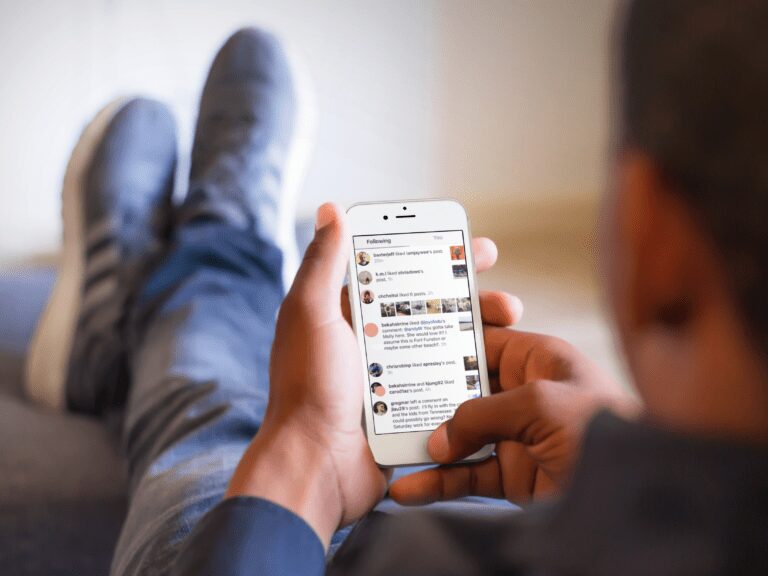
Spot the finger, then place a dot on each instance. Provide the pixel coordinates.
(544, 486)
(345, 309)
(448, 483)
(510, 347)
(507, 415)
(484, 252)
(518, 471)
(493, 381)
(500, 308)
(513, 346)
(321, 274)
(524, 356)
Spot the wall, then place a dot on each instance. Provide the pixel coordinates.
(523, 93)
(500, 103)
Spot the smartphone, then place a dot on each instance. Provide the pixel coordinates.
(416, 314)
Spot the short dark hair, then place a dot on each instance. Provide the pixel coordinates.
(693, 95)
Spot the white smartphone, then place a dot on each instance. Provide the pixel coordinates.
(416, 314)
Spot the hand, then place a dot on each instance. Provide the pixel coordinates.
(545, 394)
(311, 455)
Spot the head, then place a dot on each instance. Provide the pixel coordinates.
(685, 224)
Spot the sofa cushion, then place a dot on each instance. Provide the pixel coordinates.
(23, 295)
(62, 481)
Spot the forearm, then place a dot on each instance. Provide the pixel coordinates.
(288, 468)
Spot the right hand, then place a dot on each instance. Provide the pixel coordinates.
(545, 394)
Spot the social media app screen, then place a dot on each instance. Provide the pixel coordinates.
(418, 327)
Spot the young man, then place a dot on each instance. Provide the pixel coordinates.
(677, 488)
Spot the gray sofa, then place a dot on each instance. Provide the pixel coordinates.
(62, 481)
(62, 478)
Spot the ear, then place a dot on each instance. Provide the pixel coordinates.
(664, 247)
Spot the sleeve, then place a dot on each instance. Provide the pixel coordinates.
(244, 536)
(430, 544)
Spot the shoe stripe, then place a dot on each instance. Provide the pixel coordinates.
(99, 292)
(93, 249)
(99, 311)
(98, 232)
(103, 261)
(97, 322)
(99, 277)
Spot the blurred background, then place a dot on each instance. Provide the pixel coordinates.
(502, 104)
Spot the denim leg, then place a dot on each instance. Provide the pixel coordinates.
(200, 343)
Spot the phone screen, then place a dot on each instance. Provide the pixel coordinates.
(418, 326)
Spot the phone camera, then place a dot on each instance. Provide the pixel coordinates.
(405, 207)
(386, 217)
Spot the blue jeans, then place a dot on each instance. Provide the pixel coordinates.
(199, 344)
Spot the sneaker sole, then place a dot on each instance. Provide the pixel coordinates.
(47, 363)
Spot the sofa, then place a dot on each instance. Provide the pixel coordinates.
(62, 480)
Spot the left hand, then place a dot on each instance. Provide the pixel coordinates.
(311, 455)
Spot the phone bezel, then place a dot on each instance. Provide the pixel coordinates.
(366, 218)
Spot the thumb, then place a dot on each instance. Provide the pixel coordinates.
(504, 416)
(324, 267)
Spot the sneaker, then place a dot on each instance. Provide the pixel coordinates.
(253, 141)
(117, 212)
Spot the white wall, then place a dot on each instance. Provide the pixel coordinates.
(523, 101)
(494, 101)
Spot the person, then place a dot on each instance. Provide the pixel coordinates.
(378, 389)
(365, 277)
(380, 408)
(363, 258)
(164, 315)
(673, 487)
(367, 297)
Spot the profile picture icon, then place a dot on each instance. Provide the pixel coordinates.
(371, 330)
(378, 389)
(457, 252)
(380, 408)
(363, 258)
(366, 296)
(375, 369)
(365, 277)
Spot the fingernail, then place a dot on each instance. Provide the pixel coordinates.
(325, 215)
(517, 306)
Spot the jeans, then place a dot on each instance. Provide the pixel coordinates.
(199, 343)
